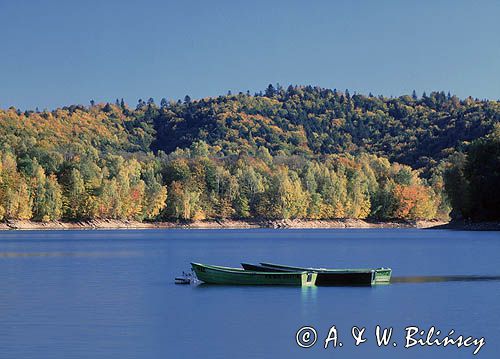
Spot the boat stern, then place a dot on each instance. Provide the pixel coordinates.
(383, 275)
(308, 279)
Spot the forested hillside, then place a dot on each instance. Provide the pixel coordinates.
(309, 121)
(300, 152)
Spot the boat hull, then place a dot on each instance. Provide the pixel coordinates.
(344, 279)
(235, 276)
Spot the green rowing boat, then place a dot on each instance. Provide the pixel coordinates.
(236, 276)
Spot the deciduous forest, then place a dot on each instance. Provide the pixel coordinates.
(300, 152)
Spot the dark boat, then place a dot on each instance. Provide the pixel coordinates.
(330, 277)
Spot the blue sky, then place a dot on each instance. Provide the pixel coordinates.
(55, 53)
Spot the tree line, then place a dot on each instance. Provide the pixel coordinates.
(190, 184)
(300, 152)
(84, 188)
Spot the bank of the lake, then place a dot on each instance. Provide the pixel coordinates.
(218, 224)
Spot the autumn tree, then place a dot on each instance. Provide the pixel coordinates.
(47, 196)
(75, 196)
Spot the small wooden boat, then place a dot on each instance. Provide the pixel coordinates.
(237, 276)
(333, 277)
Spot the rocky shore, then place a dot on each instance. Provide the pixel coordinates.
(218, 224)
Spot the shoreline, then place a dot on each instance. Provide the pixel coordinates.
(346, 223)
(219, 224)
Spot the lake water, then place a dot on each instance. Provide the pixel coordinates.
(110, 294)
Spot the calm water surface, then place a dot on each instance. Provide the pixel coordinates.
(110, 294)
